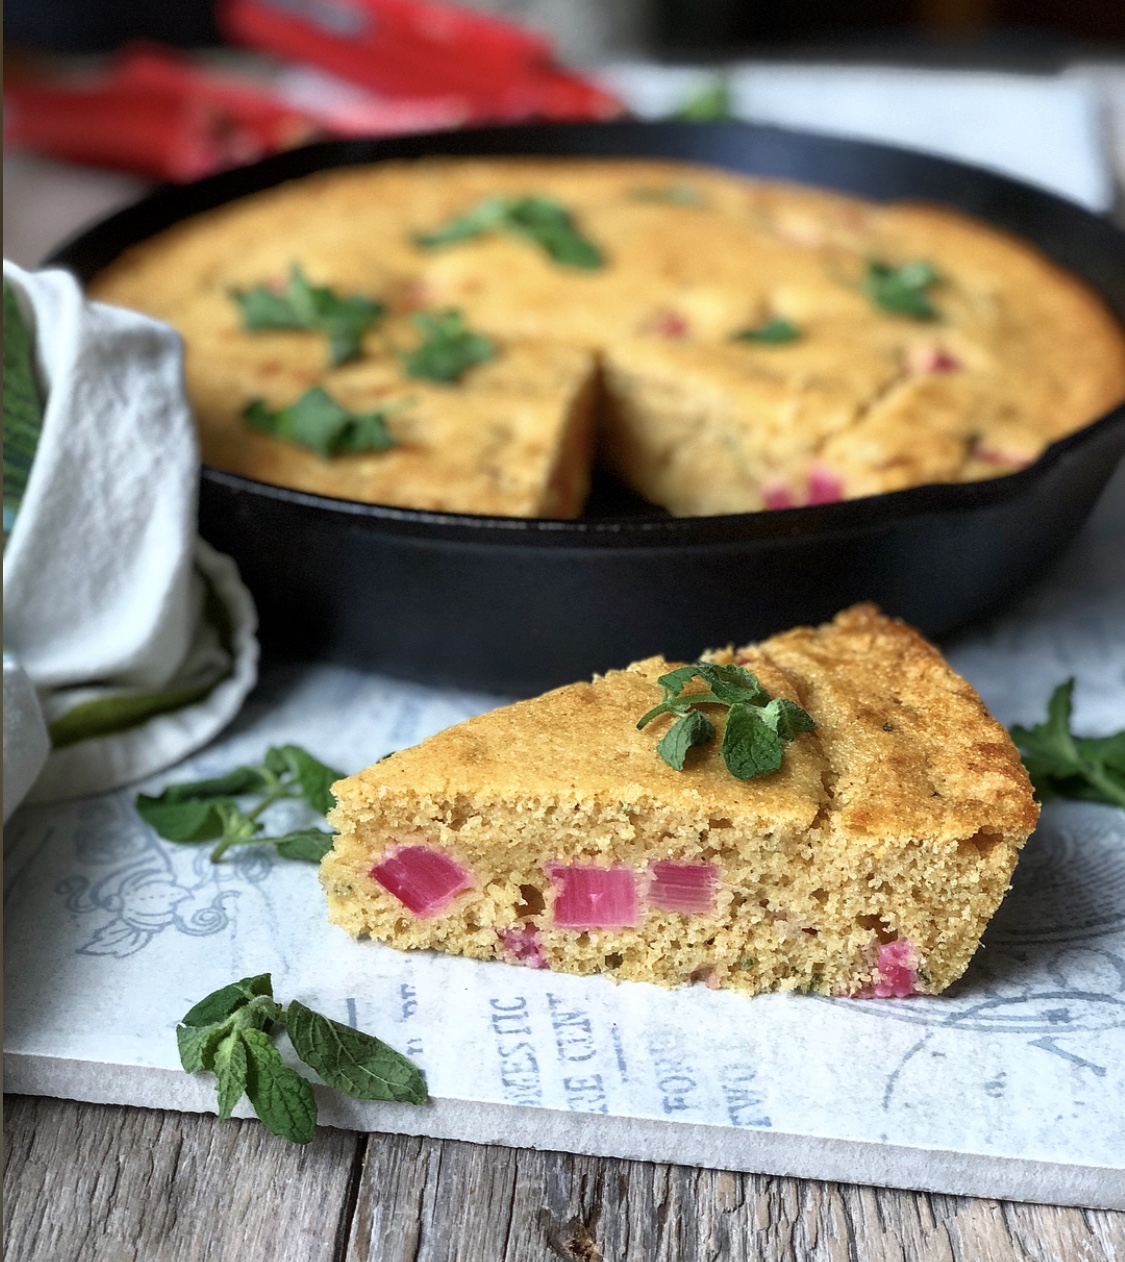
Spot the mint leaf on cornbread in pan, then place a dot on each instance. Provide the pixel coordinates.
(318, 422)
(902, 290)
(301, 305)
(542, 220)
(448, 348)
(866, 836)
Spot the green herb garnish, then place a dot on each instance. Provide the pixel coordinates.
(206, 809)
(712, 103)
(540, 219)
(230, 1034)
(1063, 765)
(757, 727)
(773, 333)
(902, 290)
(318, 422)
(448, 349)
(671, 194)
(305, 306)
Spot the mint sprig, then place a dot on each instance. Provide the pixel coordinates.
(230, 1033)
(773, 332)
(714, 102)
(542, 220)
(448, 349)
(1064, 765)
(757, 727)
(204, 810)
(902, 290)
(318, 422)
(303, 306)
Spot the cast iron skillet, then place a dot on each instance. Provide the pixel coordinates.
(518, 605)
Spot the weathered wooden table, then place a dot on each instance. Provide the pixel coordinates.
(117, 1184)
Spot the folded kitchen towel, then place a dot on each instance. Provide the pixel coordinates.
(128, 642)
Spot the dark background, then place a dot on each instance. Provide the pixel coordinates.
(1027, 32)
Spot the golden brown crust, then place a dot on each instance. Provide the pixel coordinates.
(898, 820)
(1023, 352)
(911, 747)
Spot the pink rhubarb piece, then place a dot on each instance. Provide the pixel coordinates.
(593, 898)
(928, 358)
(824, 486)
(684, 887)
(522, 943)
(778, 496)
(894, 969)
(424, 881)
(671, 324)
(996, 455)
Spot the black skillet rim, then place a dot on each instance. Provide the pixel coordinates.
(95, 247)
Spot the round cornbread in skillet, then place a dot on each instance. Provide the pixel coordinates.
(919, 345)
(551, 833)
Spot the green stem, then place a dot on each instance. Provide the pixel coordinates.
(680, 704)
(231, 837)
(1104, 784)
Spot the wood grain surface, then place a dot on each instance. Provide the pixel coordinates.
(100, 1183)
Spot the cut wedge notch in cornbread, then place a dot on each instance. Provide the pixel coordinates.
(550, 832)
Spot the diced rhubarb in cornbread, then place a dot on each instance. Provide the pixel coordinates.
(551, 834)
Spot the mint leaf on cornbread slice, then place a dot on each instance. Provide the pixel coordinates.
(756, 726)
(689, 731)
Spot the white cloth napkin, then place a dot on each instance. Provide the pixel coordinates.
(113, 607)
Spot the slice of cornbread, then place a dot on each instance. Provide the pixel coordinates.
(551, 833)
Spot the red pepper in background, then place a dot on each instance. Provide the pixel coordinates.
(154, 114)
(253, 110)
(415, 48)
(409, 65)
(161, 137)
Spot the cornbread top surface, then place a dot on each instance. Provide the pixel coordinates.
(1036, 353)
(904, 748)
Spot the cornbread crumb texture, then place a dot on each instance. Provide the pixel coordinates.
(550, 833)
(862, 401)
